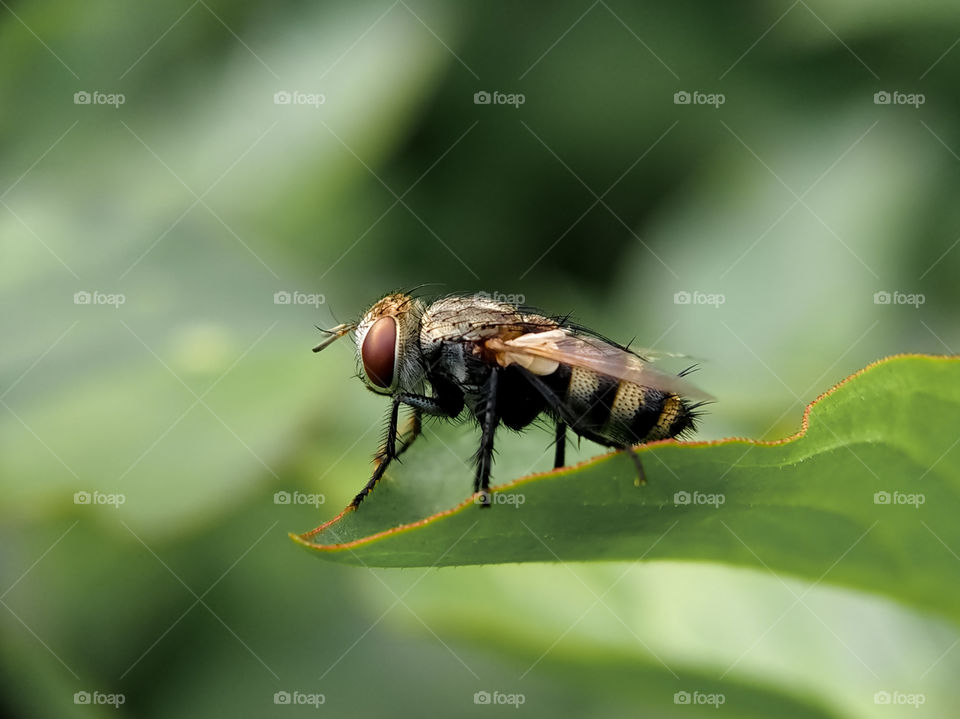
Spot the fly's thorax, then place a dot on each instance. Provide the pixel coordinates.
(453, 331)
(388, 345)
(473, 318)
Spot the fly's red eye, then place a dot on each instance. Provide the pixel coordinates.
(379, 351)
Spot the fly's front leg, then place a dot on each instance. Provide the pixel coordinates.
(411, 431)
(421, 405)
(488, 425)
(384, 456)
(434, 406)
(438, 406)
(560, 449)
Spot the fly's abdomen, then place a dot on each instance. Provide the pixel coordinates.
(616, 412)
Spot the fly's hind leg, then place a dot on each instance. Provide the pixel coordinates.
(641, 474)
(560, 446)
(628, 449)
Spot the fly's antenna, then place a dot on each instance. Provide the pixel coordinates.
(333, 335)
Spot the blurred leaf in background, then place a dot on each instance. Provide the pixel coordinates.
(325, 154)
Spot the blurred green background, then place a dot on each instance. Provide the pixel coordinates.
(778, 213)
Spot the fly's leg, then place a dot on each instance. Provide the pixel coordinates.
(435, 406)
(384, 456)
(488, 425)
(560, 446)
(445, 405)
(411, 431)
(421, 405)
(641, 475)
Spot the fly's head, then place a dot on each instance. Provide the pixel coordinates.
(388, 344)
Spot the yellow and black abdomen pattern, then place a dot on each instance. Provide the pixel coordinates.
(615, 412)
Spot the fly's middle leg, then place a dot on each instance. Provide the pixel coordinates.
(488, 425)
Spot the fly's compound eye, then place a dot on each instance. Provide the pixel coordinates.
(379, 352)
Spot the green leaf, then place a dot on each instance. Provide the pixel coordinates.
(863, 495)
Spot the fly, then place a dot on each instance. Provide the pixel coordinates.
(509, 365)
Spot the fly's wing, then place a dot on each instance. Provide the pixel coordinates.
(645, 353)
(542, 352)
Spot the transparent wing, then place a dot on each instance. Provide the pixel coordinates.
(540, 352)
